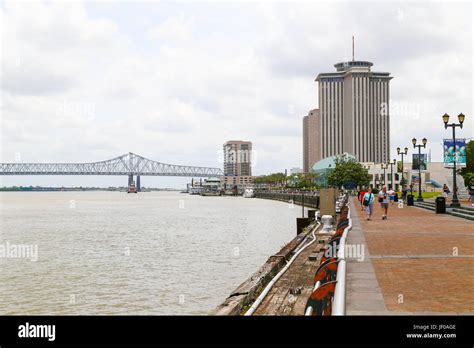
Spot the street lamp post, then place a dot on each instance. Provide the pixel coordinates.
(368, 169)
(402, 154)
(419, 146)
(455, 202)
(383, 166)
(391, 172)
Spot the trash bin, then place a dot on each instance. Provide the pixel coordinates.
(410, 199)
(440, 205)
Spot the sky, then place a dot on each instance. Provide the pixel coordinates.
(89, 81)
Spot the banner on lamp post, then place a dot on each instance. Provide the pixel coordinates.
(454, 151)
(420, 161)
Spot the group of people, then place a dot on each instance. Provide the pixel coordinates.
(384, 197)
(389, 197)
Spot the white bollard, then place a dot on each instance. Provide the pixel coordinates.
(327, 223)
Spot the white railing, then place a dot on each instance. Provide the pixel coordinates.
(339, 303)
(339, 299)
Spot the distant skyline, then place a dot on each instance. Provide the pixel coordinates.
(89, 81)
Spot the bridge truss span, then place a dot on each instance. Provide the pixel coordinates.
(129, 164)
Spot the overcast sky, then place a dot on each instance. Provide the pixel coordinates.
(88, 81)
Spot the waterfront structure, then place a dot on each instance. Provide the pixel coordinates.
(311, 139)
(237, 164)
(432, 179)
(239, 181)
(354, 112)
(238, 158)
(324, 167)
(296, 170)
(380, 177)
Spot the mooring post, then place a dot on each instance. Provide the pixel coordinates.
(302, 205)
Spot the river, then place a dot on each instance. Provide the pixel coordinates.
(112, 253)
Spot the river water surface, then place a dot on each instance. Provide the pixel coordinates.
(147, 253)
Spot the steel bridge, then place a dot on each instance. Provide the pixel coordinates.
(129, 164)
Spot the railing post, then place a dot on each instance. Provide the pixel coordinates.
(302, 205)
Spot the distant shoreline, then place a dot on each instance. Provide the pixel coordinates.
(75, 189)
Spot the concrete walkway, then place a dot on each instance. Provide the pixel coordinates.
(363, 293)
(423, 263)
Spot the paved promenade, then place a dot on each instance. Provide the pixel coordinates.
(364, 295)
(423, 263)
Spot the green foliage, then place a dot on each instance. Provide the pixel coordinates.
(272, 179)
(305, 180)
(348, 170)
(468, 178)
(403, 181)
(468, 172)
(300, 180)
(426, 194)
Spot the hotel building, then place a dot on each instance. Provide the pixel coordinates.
(238, 163)
(354, 112)
(311, 139)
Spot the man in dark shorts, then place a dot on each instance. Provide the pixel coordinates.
(404, 193)
(384, 199)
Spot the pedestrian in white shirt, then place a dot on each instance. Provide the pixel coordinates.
(384, 200)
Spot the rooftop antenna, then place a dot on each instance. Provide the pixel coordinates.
(352, 47)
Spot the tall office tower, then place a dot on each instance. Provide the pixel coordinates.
(353, 106)
(237, 158)
(311, 139)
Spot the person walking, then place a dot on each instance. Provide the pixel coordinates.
(361, 198)
(445, 191)
(391, 195)
(368, 202)
(384, 200)
(471, 192)
(404, 193)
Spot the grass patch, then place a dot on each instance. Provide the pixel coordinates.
(424, 194)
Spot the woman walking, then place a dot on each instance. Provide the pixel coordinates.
(368, 202)
(384, 200)
(445, 191)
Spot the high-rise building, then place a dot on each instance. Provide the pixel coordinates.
(237, 158)
(354, 112)
(311, 139)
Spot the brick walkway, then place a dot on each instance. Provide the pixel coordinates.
(363, 293)
(424, 262)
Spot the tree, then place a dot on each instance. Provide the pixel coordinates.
(272, 179)
(306, 180)
(348, 172)
(468, 172)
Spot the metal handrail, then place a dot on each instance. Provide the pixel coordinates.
(339, 297)
(339, 304)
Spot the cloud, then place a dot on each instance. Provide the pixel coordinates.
(173, 31)
(84, 83)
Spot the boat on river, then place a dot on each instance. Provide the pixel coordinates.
(249, 193)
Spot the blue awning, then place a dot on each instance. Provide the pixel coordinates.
(434, 183)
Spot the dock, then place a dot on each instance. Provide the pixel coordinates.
(410, 264)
